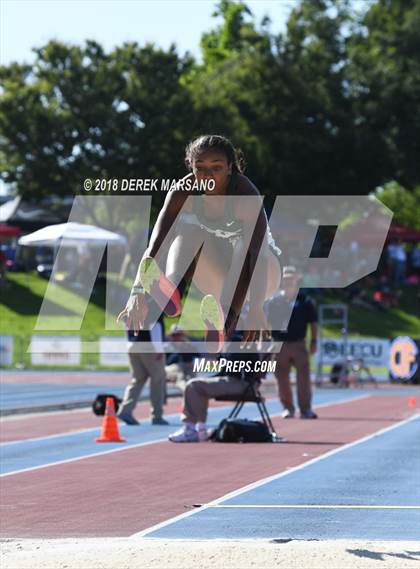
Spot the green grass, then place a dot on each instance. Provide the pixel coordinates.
(21, 300)
(363, 322)
(22, 297)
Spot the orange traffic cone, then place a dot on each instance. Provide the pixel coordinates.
(110, 432)
(412, 402)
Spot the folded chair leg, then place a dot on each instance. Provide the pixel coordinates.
(236, 410)
(240, 403)
(267, 419)
(262, 409)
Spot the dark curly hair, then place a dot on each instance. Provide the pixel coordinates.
(215, 142)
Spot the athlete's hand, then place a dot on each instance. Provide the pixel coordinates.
(256, 328)
(134, 313)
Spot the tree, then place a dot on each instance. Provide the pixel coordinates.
(236, 34)
(404, 203)
(81, 113)
(384, 79)
(321, 148)
(286, 100)
(226, 88)
(330, 106)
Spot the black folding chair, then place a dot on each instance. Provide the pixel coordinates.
(251, 394)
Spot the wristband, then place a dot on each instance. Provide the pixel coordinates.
(136, 290)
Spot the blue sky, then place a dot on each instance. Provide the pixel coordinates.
(28, 23)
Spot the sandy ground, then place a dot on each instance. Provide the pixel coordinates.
(133, 553)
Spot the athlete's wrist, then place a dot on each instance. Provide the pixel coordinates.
(136, 289)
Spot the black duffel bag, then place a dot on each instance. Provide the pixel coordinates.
(241, 431)
(98, 406)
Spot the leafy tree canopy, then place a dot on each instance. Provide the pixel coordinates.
(81, 113)
(403, 203)
(330, 106)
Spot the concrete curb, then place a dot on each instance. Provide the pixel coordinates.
(65, 406)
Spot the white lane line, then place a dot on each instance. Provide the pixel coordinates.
(314, 506)
(23, 416)
(77, 458)
(47, 437)
(127, 448)
(174, 416)
(263, 481)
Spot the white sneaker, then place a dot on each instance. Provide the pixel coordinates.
(288, 414)
(184, 435)
(202, 435)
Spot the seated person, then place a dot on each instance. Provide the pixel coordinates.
(3, 264)
(385, 296)
(198, 391)
(179, 366)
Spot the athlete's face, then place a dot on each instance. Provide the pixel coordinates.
(212, 165)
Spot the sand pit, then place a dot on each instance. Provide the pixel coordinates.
(132, 553)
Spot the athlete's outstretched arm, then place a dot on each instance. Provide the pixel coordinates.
(136, 309)
(164, 223)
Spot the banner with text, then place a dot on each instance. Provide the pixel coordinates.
(373, 351)
(55, 350)
(113, 351)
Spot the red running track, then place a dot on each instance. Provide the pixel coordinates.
(123, 493)
(22, 427)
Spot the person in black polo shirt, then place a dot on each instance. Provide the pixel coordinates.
(294, 351)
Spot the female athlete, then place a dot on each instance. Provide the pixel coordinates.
(236, 235)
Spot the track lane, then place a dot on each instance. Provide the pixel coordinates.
(123, 493)
(25, 455)
(368, 489)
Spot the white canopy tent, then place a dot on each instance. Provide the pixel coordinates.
(86, 239)
(72, 235)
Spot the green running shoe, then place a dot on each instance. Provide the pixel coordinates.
(161, 289)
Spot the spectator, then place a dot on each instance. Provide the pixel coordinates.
(398, 261)
(197, 394)
(384, 296)
(179, 366)
(415, 259)
(144, 366)
(3, 264)
(294, 351)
